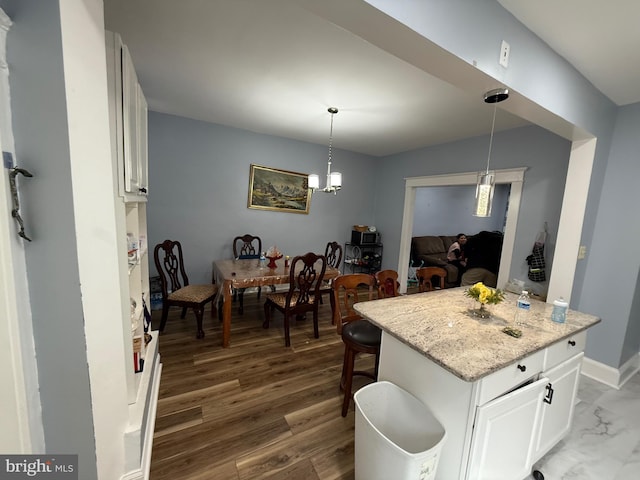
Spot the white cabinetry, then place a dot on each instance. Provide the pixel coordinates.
(500, 425)
(128, 115)
(506, 424)
(131, 120)
(559, 401)
(504, 434)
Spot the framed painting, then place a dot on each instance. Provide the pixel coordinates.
(278, 190)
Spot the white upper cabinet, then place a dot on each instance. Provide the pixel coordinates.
(142, 169)
(131, 126)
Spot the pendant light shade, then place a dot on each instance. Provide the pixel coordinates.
(314, 181)
(486, 180)
(334, 179)
(484, 194)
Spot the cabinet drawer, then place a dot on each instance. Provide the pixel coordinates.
(509, 377)
(564, 349)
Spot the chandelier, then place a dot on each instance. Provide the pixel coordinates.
(334, 179)
(486, 180)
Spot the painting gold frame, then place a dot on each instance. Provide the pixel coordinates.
(278, 190)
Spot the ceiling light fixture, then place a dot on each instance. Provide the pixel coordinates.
(334, 179)
(486, 179)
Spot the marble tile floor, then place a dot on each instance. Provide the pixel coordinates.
(604, 442)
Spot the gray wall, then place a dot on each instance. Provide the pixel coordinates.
(544, 154)
(448, 211)
(199, 177)
(613, 250)
(34, 53)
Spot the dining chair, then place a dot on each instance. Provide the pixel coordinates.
(387, 283)
(305, 277)
(333, 254)
(175, 286)
(358, 335)
(426, 277)
(245, 247)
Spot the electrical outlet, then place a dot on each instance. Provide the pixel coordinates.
(504, 54)
(582, 252)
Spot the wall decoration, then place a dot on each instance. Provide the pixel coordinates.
(278, 190)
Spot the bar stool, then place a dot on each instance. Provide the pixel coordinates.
(358, 335)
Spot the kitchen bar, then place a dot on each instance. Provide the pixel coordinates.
(490, 391)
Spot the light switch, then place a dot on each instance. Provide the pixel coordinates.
(582, 252)
(7, 159)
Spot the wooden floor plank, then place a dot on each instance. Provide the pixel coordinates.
(281, 455)
(257, 409)
(177, 421)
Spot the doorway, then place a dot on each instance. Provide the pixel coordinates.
(514, 176)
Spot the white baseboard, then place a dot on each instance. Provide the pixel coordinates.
(614, 377)
(133, 475)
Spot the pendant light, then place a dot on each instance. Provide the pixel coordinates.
(334, 179)
(486, 180)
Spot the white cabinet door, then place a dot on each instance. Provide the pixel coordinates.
(130, 123)
(504, 433)
(557, 407)
(142, 134)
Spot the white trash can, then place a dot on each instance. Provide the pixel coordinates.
(397, 437)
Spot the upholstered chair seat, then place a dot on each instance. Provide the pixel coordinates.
(193, 293)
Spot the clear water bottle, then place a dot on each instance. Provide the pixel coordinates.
(523, 306)
(559, 313)
(263, 259)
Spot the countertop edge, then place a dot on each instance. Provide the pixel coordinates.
(438, 325)
(488, 371)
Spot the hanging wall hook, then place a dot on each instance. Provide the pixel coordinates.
(15, 213)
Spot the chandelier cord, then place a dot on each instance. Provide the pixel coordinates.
(330, 143)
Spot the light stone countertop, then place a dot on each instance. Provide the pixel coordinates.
(439, 326)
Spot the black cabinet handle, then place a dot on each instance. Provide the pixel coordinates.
(549, 397)
(522, 368)
(572, 343)
(142, 190)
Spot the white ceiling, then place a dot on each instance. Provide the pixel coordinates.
(274, 67)
(601, 39)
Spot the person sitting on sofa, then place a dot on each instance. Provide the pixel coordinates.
(483, 259)
(456, 257)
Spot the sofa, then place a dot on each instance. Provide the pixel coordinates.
(482, 251)
(431, 251)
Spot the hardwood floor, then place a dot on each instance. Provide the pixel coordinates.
(254, 410)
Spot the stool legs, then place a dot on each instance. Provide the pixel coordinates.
(346, 382)
(348, 372)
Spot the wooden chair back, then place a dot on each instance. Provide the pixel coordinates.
(169, 262)
(426, 277)
(305, 278)
(387, 283)
(247, 246)
(333, 253)
(348, 290)
(176, 290)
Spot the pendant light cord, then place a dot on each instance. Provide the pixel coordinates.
(493, 124)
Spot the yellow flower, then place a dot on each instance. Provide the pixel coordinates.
(484, 294)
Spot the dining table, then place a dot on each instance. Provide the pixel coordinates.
(245, 273)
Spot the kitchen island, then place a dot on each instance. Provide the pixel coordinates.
(503, 401)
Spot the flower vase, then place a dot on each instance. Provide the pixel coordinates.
(481, 310)
(272, 261)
